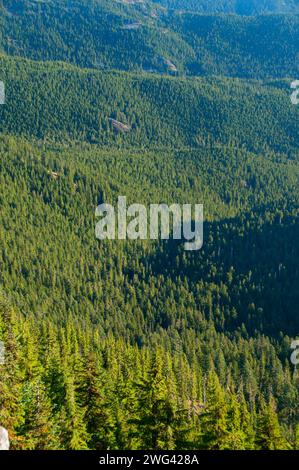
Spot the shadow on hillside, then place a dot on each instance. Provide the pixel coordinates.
(248, 266)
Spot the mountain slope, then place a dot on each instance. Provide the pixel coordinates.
(139, 344)
(112, 35)
(239, 7)
(259, 47)
(61, 102)
(49, 194)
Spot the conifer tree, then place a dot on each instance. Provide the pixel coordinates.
(74, 435)
(236, 437)
(39, 424)
(92, 394)
(214, 427)
(11, 408)
(269, 434)
(155, 414)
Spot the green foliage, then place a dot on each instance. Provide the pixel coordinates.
(240, 7)
(59, 102)
(122, 392)
(206, 311)
(260, 47)
(140, 344)
(110, 34)
(269, 435)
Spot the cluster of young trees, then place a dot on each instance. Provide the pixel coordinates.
(70, 388)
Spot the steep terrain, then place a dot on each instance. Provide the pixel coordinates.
(140, 37)
(239, 7)
(128, 344)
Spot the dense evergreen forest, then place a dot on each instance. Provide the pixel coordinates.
(240, 7)
(210, 328)
(107, 34)
(161, 111)
(141, 344)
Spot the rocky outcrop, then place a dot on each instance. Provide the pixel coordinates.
(120, 126)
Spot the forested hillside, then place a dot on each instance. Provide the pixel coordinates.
(258, 47)
(56, 102)
(70, 388)
(140, 344)
(239, 7)
(193, 324)
(138, 36)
